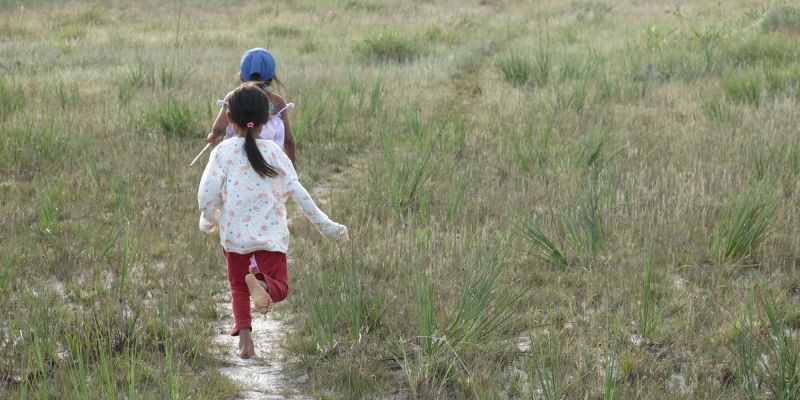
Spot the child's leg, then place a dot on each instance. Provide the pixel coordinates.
(258, 293)
(273, 271)
(247, 348)
(240, 295)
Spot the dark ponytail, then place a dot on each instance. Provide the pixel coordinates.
(255, 157)
(249, 108)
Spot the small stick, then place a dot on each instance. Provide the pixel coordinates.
(201, 153)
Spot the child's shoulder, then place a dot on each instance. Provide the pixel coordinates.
(268, 145)
(271, 151)
(226, 146)
(273, 95)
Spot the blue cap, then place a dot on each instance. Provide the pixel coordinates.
(257, 61)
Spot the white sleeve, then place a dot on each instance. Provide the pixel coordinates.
(209, 194)
(303, 199)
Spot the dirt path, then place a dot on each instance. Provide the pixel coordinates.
(261, 377)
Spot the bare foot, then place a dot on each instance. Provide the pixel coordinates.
(246, 347)
(260, 296)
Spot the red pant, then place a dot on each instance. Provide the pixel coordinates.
(272, 270)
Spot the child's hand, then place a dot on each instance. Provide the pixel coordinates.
(333, 230)
(214, 139)
(209, 225)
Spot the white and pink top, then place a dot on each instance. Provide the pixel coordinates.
(252, 208)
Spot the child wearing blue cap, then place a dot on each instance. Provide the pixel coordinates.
(258, 65)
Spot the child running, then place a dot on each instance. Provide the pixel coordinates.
(258, 65)
(248, 180)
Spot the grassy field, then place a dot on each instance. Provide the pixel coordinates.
(556, 199)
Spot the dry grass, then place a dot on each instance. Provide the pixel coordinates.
(640, 180)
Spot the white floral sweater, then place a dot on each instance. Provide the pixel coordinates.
(252, 213)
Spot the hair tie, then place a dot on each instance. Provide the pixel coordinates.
(250, 125)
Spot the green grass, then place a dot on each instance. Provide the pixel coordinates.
(650, 315)
(174, 118)
(389, 46)
(516, 69)
(13, 98)
(743, 87)
(784, 377)
(744, 224)
(507, 170)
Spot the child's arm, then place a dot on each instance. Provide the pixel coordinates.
(209, 194)
(325, 225)
(220, 124)
(288, 139)
(303, 199)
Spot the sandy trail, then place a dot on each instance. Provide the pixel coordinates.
(261, 377)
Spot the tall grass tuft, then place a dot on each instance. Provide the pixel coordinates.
(311, 116)
(743, 87)
(592, 151)
(11, 99)
(376, 95)
(744, 224)
(68, 95)
(388, 46)
(744, 351)
(124, 261)
(353, 297)
(28, 147)
(516, 68)
(48, 213)
(783, 373)
(427, 375)
(543, 246)
(483, 310)
(549, 368)
(424, 296)
(579, 232)
(582, 224)
(530, 151)
(715, 108)
(323, 317)
(408, 173)
(175, 119)
(5, 274)
(649, 316)
(543, 62)
(608, 380)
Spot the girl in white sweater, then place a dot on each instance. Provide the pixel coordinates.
(248, 180)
